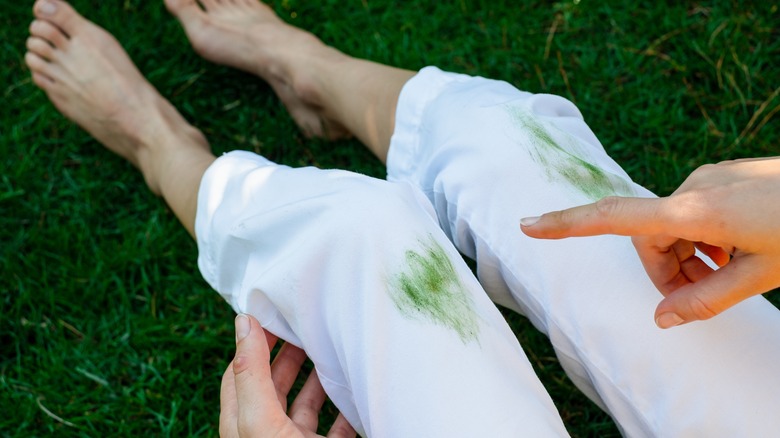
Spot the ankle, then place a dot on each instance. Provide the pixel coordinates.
(157, 156)
(306, 74)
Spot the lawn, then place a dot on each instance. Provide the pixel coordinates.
(107, 328)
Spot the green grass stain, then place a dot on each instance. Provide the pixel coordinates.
(430, 288)
(566, 163)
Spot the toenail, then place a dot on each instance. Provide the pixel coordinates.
(47, 7)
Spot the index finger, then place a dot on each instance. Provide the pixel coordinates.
(284, 370)
(228, 410)
(611, 215)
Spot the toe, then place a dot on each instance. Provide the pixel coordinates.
(59, 13)
(49, 32)
(210, 4)
(185, 10)
(40, 47)
(42, 81)
(37, 64)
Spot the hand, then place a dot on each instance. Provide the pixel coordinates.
(254, 393)
(729, 211)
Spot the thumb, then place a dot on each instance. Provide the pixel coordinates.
(713, 294)
(255, 393)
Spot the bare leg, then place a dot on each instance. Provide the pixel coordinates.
(327, 92)
(91, 80)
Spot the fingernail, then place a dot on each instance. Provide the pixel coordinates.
(242, 327)
(47, 8)
(529, 221)
(668, 320)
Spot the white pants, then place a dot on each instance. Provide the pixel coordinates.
(360, 273)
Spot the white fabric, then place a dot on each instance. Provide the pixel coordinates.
(486, 155)
(327, 260)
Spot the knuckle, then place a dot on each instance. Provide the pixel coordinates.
(692, 203)
(708, 168)
(247, 426)
(698, 207)
(340, 430)
(701, 309)
(608, 207)
(688, 204)
(305, 405)
(702, 173)
(553, 223)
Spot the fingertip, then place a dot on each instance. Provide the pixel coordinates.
(527, 222)
(530, 227)
(545, 226)
(243, 327)
(702, 300)
(668, 320)
(721, 258)
(571, 222)
(718, 255)
(250, 347)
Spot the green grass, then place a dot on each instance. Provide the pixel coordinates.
(106, 322)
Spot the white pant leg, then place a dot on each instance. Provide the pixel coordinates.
(357, 272)
(487, 155)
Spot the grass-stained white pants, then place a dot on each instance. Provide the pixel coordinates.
(486, 155)
(361, 274)
(356, 271)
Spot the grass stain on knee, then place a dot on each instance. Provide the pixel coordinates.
(430, 288)
(566, 163)
(592, 181)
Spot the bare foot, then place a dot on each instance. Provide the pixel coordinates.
(247, 35)
(91, 80)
